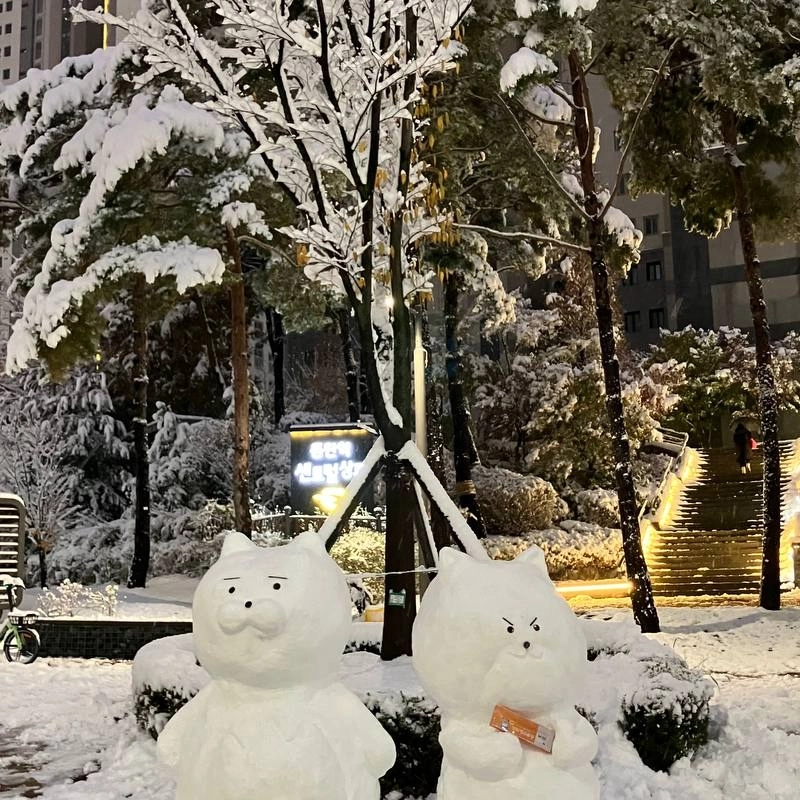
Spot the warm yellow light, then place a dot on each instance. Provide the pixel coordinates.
(327, 499)
(589, 587)
(106, 6)
(325, 434)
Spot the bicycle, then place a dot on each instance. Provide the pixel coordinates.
(20, 640)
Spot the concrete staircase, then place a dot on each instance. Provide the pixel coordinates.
(713, 543)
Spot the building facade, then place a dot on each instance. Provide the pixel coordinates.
(686, 279)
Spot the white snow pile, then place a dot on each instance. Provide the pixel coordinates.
(522, 64)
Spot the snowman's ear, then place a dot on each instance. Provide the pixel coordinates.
(451, 560)
(534, 555)
(309, 540)
(235, 542)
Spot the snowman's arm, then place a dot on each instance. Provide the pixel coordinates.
(576, 741)
(484, 753)
(170, 738)
(378, 746)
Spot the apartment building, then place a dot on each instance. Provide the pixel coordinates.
(685, 279)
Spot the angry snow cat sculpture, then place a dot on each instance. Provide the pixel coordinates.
(496, 633)
(274, 723)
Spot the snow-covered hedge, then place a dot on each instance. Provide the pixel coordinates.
(598, 506)
(512, 503)
(361, 550)
(640, 694)
(573, 550)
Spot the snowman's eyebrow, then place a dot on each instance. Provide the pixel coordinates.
(278, 577)
(232, 579)
(509, 622)
(534, 621)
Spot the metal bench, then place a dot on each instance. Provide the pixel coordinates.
(12, 541)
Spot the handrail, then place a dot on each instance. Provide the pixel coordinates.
(675, 439)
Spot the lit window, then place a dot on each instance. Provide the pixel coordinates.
(654, 270)
(632, 321)
(656, 317)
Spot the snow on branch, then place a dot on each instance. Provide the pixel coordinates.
(47, 307)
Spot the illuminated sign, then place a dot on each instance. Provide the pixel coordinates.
(325, 458)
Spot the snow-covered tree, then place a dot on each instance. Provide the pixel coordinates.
(90, 153)
(714, 377)
(326, 93)
(555, 116)
(62, 450)
(718, 129)
(540, 400)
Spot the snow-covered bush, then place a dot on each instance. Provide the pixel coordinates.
(573, 551)
(189, 463)
(181, 542)
(512, 503)
(666, 717)
(361, 550)
(663, 704)
(598, 506)
(70, 598)
(414, 725)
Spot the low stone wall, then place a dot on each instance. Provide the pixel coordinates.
(113, 638)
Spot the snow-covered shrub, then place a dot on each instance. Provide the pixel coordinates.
(70, 598)
(648, 692)
(413, 723)
(573, 551)
(190, 464)
(666, 716)
(512, 503)
(598, 506)
(361, 550)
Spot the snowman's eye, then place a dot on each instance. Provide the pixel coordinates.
(276, 586)
(232, 590)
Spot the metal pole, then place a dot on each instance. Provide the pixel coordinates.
(420, 357)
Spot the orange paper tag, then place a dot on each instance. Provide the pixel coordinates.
(526, 730)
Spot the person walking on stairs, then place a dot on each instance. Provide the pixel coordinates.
(743, 442)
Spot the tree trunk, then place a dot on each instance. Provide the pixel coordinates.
(141, 536)
(400, 495)
(42, 553)
(211, 349)
(241, 391)
(433, 403)
(770, 597)
(351, 366)
(277, 344)
(400, 600)
(644, 610)
(465, 453)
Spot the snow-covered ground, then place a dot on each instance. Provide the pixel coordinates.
(68, 732)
